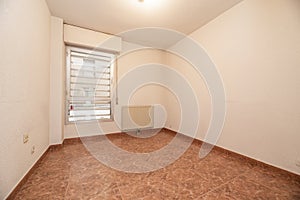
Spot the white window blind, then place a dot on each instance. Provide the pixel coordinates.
(89, 84)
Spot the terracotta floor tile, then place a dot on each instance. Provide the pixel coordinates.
(243, 188)
(276, 179)
(72, 172)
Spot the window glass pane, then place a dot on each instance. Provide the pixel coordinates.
(89, 85)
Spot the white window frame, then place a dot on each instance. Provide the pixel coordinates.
(68, 97)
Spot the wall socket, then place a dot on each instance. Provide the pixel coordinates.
(32, 149)
(25, 138)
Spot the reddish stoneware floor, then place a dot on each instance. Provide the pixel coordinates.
(71, 172)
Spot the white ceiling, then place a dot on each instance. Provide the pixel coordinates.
(116, 16)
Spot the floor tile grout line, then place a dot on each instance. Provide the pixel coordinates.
(122, 198)
(69, 178)
(261, 183)
(270, 188)
(225, 183)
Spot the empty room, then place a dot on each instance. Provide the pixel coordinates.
(150, 99)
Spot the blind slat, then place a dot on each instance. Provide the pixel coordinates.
(87, 70)
(87, 77)
(88, 57)
(89, 95)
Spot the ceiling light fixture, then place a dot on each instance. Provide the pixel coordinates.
(148, 4)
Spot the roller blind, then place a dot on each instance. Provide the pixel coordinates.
(89, 84)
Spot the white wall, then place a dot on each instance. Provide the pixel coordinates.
(255, 46)
(57, 85)
(172, 104)
(24, 87)
(149, 94)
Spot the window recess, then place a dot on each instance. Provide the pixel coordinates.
(89, 84)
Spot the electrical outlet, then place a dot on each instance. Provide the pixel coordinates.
(33, 149)
(25, 138)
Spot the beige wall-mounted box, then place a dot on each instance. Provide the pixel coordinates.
(74, 35)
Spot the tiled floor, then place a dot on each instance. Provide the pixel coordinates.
(71, 172)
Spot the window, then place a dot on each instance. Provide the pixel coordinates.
(89, 84)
